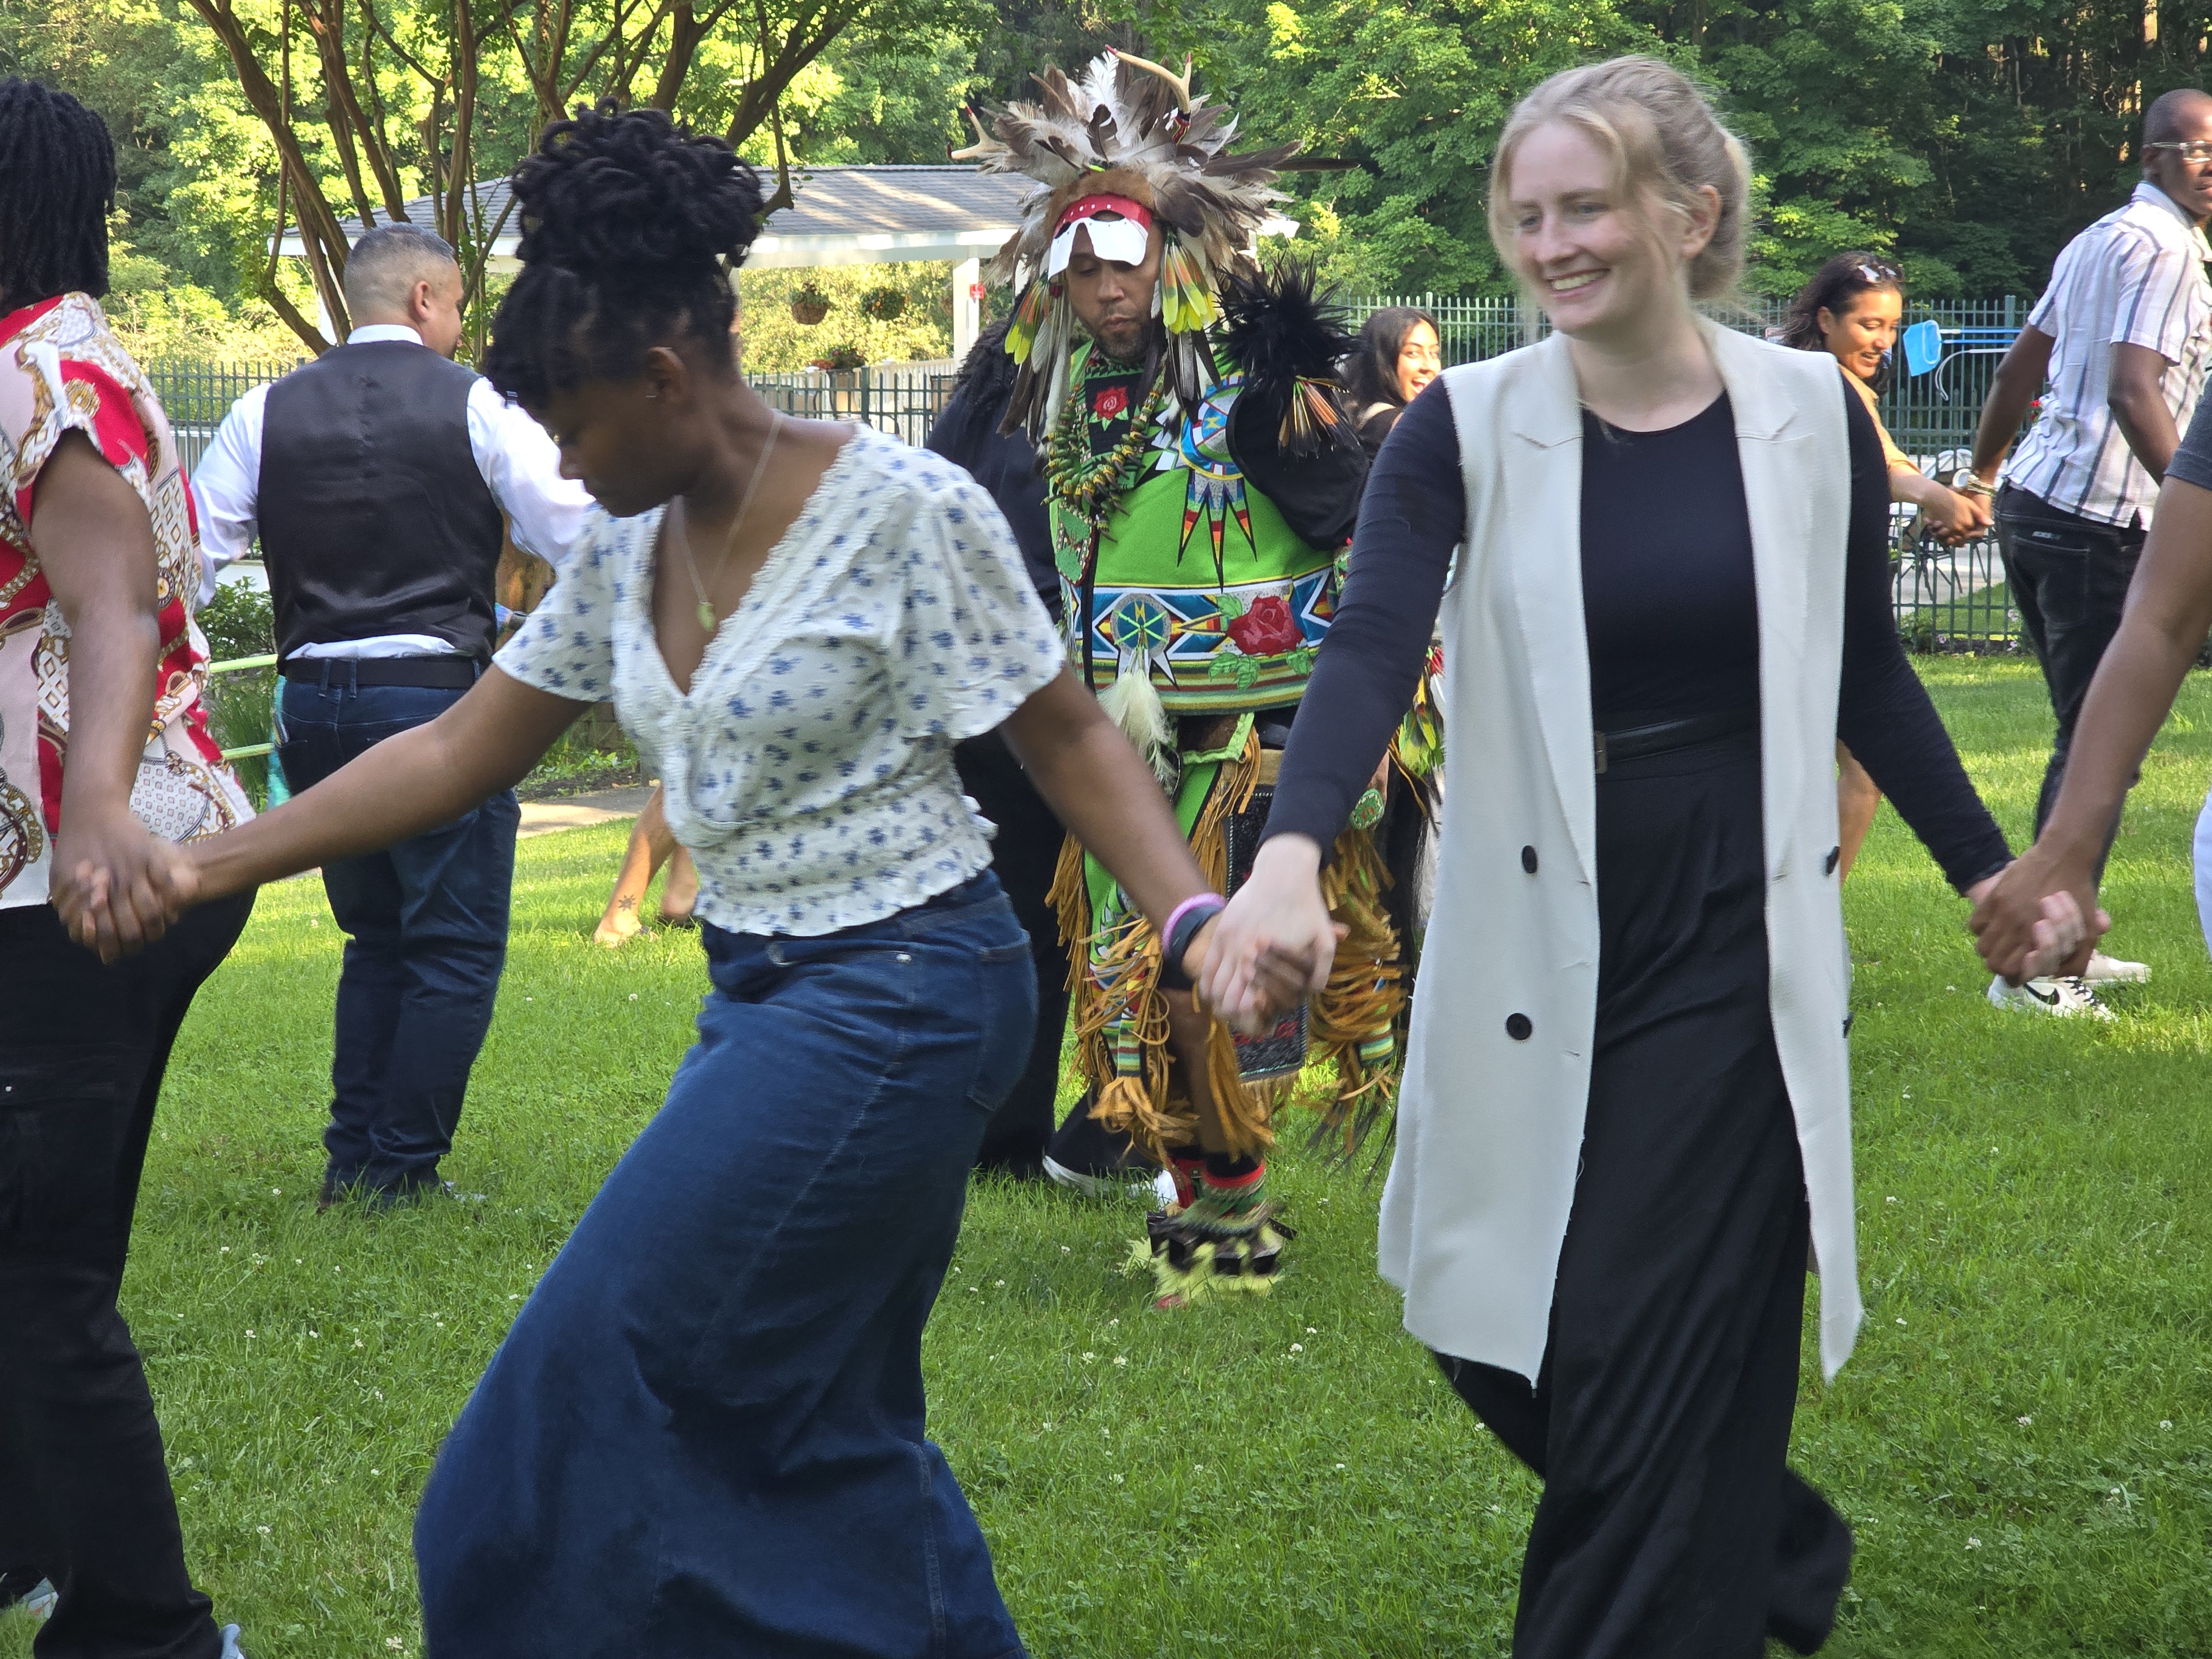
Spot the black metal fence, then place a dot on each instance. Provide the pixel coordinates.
(1944, 597)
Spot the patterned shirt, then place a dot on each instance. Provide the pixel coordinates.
(810, 769)
(62, 371)
(2135, 277)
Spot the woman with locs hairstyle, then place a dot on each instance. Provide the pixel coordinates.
(1626, 1099)
(1850, 309)
(704, 1433)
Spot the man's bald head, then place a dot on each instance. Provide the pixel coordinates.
(2181, 117)
(2177, 116)
(401, 273)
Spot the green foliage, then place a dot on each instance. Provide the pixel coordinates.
(1967, 142)
(239, 621)
(922, 332)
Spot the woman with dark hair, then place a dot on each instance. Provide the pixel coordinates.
(104, 759)
(1400, 350)
(1851, 310)
(705, 1431)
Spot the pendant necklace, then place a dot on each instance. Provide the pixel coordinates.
(729, 541)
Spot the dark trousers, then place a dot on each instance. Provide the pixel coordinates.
(426, 924)
(2069, 577)
(1670, 1527)
(84, 1493)
(1024, 854)
(706, 1433)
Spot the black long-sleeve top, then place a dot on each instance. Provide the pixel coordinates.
(1669, 603)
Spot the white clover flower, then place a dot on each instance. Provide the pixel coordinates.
(1900, 1321)
(1297, 1347)
(998, 1284)
(1339, 1465)
(2166, 1422)
(1973, 1543)
(1121, 1359)
(1088, 1355)
(263, 1531)
(2026, 1422)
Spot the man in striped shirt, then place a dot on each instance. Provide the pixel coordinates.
(2124, 336)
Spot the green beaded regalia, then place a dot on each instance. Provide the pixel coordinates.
(1201, 500)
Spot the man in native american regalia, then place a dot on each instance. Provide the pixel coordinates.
(1202, 479)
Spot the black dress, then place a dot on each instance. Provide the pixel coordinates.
(1669, 1524)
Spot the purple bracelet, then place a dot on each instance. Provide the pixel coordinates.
(1167, 930)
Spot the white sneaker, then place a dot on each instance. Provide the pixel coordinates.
(2111, 971)
(1133, 1183)
(2064, 998)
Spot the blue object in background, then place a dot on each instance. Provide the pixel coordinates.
(1923, 347)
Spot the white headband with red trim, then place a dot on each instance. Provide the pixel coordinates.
(1122, 240)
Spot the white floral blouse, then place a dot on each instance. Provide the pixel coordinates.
(810, 769)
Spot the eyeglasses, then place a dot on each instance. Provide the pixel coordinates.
(2190, 150)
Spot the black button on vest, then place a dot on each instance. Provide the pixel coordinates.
(1518, 1028)
(1528, 859)
(374, 517)
(1828, 865)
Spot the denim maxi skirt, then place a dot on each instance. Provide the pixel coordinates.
(704, 1434)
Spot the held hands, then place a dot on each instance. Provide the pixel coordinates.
(1956, 518)
(119, 887)
(2037, 917)
(1273, 947)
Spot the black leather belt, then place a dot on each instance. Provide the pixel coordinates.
(439, 674)
(1669, 735)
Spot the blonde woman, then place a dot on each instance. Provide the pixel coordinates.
(1626, 1100)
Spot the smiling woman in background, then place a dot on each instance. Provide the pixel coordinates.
(1400, 351)
(1851, 310)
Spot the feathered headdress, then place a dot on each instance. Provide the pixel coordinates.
(1129, 129)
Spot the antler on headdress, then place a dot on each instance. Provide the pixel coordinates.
(1180, 83)
(978, 150)
(1133, 128)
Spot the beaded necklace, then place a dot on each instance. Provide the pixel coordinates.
(1089, 486)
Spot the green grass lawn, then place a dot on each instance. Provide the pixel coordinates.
(2023, 1441)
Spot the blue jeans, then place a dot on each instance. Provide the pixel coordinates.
(704, 1433)
(427, 938)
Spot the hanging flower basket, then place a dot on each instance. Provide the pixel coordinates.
(883, 304)
(809, 304)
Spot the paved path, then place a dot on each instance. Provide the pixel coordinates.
(543, 817)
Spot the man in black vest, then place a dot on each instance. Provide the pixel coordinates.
(377, 477)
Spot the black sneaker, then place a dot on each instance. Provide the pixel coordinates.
(1097, 1162)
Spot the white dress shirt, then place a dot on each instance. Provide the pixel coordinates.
(521, 467)
(2135, 277)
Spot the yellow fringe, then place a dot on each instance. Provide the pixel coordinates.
(1365, 996)
(1154, 1107)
